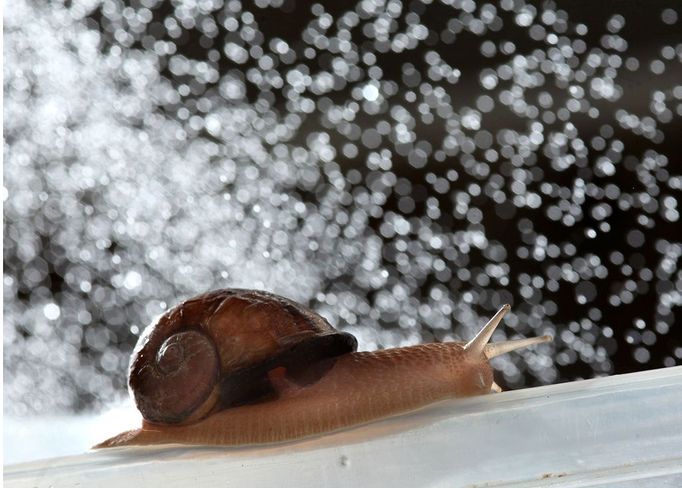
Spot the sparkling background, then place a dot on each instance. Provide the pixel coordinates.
(404, 168)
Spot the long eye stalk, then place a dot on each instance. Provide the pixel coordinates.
(479, 344)
(476, 345)
(499, 348)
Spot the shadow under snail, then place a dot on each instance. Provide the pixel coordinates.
(238, 367)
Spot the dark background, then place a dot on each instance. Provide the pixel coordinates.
(587, 250)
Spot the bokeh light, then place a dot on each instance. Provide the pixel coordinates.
(403, 167)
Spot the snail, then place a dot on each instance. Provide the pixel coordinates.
(238, 367)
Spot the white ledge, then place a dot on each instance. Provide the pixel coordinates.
(618, 431)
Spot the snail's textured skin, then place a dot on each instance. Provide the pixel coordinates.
(240, 367)
(359, 387)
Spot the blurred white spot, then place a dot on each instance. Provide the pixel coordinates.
(51, 311)
(370, 93)
(132, 280)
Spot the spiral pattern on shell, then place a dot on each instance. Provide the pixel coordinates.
(215, 350)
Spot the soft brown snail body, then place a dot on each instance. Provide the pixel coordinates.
(237, 367)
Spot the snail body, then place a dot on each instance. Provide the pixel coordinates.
(241, 367)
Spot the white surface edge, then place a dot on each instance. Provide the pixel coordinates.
(609, 431)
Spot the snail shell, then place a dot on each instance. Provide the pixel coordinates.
(236, 367)
(214, 352)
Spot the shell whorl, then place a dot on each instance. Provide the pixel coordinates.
(178, 380)
(214, 351)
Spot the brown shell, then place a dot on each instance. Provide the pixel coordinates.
(214, 351)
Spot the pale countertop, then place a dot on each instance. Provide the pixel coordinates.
(618, 431)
